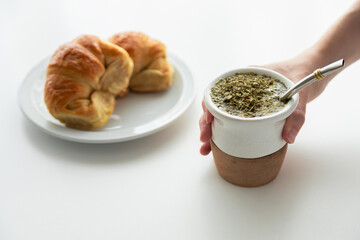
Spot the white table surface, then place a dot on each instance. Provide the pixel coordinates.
(160, 187)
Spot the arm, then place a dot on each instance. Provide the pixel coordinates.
(342, 40)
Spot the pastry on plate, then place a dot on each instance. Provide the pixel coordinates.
(83, 79)
(152, 72)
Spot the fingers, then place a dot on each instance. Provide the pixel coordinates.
(294, 122)
(208, 116)
(205, 129)
(205, 148)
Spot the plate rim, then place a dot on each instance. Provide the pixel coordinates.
(28, 109)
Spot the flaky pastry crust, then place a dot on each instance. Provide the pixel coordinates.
(83, 78)
(152, 72)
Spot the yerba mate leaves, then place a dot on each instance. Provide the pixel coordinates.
(248, 95)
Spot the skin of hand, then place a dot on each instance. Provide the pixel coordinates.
(340, 41)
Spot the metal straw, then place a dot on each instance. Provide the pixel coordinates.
(313, 77)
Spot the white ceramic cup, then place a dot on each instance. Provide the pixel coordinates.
(249, 137)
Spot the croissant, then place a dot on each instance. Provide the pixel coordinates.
(82, 80)
(152, 71)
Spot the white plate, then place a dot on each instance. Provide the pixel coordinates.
(136, 115)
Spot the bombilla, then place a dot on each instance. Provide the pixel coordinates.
(317, 75)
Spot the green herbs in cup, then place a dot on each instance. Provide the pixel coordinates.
(248, 95)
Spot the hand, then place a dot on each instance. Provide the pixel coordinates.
(205, 130)
(294, 69)
(340, 41)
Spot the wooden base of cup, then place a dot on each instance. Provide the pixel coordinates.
(248, 172)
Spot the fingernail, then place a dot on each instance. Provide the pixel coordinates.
(292, 135)
(206, 117)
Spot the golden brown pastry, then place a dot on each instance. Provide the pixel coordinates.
(83, 78)
(152, 71)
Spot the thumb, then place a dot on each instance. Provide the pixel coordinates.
(294, 123)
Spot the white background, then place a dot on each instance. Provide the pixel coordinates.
(160, 187)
